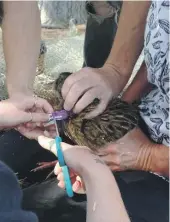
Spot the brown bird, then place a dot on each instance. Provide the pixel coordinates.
(118, 118)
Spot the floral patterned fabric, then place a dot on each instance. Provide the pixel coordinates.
(155, 106)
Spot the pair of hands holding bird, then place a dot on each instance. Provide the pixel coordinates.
(27, 114)
(129, 152)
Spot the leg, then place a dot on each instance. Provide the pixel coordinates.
(43, 49)
(22, 155)
(139, 87)
(41, 65)
(1, 12)
(100, 32)
(11, 197)
(145, 195)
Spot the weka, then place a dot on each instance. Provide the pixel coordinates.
(118, 119)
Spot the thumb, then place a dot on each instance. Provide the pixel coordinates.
(39, 117)
(49, 144)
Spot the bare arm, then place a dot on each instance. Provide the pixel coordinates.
(138, 87)
(104, 202)
(129, 39)
(160, 160)
(82, 87)
(21, 42)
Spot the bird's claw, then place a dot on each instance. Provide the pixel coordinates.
(44, 165)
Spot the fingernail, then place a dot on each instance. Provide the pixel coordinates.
(50, 117)
(46, 133)
(76, 186)
(56, 171)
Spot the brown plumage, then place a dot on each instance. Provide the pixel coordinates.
(117, 120)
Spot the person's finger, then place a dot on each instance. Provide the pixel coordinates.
(44, 105)
(30, 125)
(113, 160)
(76, 91)
(50, 128)
(109, 149)
(57, 169)
(77, 186)
(50, 134)
(70, 80)
(98, 110)
(49, 144)
(39, 117)
(85, 100)
(33, 134)
(38, 110)
(61, 184)
(21, 128)
(60, 176)
(25, 117)
(81, 188)
(114, 166)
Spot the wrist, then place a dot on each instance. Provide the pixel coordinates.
(19, 85)
(115, 72)
(2, 116)
(20, 92)
(89, 171)
(124, 71)
(145, 157)
(99, 177)
(160, 160)
(154, 158)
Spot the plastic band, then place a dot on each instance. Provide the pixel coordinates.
(60, 156)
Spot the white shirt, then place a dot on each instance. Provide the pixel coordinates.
(154, 107)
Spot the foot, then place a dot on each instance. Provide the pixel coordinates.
(44, 165)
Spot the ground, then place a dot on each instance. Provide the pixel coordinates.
(64, 53)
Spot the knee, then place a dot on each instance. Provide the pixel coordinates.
(101, 10)
(10, 192)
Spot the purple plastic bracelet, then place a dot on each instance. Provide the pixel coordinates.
(59, 115)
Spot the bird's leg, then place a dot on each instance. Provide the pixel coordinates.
(44, 165)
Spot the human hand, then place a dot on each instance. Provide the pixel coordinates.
(25, 113)
(78, 166)
(81, 88)
(134, 151)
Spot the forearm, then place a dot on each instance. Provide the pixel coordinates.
(129, 39)
(138, 87)
(21, 41)
(160, 160)
(2, 115)
(104, 202)
(153, 158)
